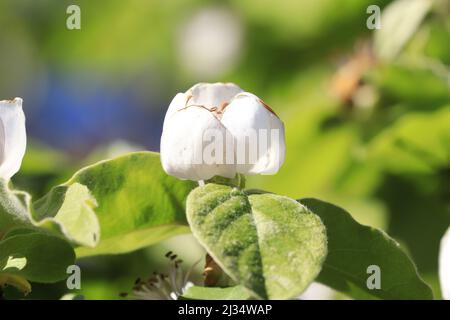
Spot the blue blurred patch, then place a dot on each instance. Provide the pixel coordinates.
(81, 111)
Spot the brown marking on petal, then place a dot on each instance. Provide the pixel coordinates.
(268, 108)
(223, 106)
(194, 105)
(189, 96)
(9, 100)
(218, 111)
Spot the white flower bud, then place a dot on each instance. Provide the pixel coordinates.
(220, 130)
(13, 137)
(183, 145)
(444, 265)
(259, 135)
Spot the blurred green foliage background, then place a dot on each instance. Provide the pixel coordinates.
(367, 113)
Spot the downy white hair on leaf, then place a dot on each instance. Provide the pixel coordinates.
(218, 129)
(444, 265)
(13, 137)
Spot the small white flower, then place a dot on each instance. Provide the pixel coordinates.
(13, 137)
(162, 286)
(220, 130)
(444, 265)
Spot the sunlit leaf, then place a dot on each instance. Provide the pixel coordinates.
(399, 20)
(137, 202)
(17, 263)
(211, 293)
(268, 243)
(69, 210)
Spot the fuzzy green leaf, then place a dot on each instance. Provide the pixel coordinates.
(268, 243)
(14, 208)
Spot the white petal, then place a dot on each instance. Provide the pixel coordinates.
(183, 145)
(13, 137)
(210, 95)
(177, 103)
(444, 265)
(248, 118)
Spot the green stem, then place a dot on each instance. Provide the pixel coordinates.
(238, 181)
